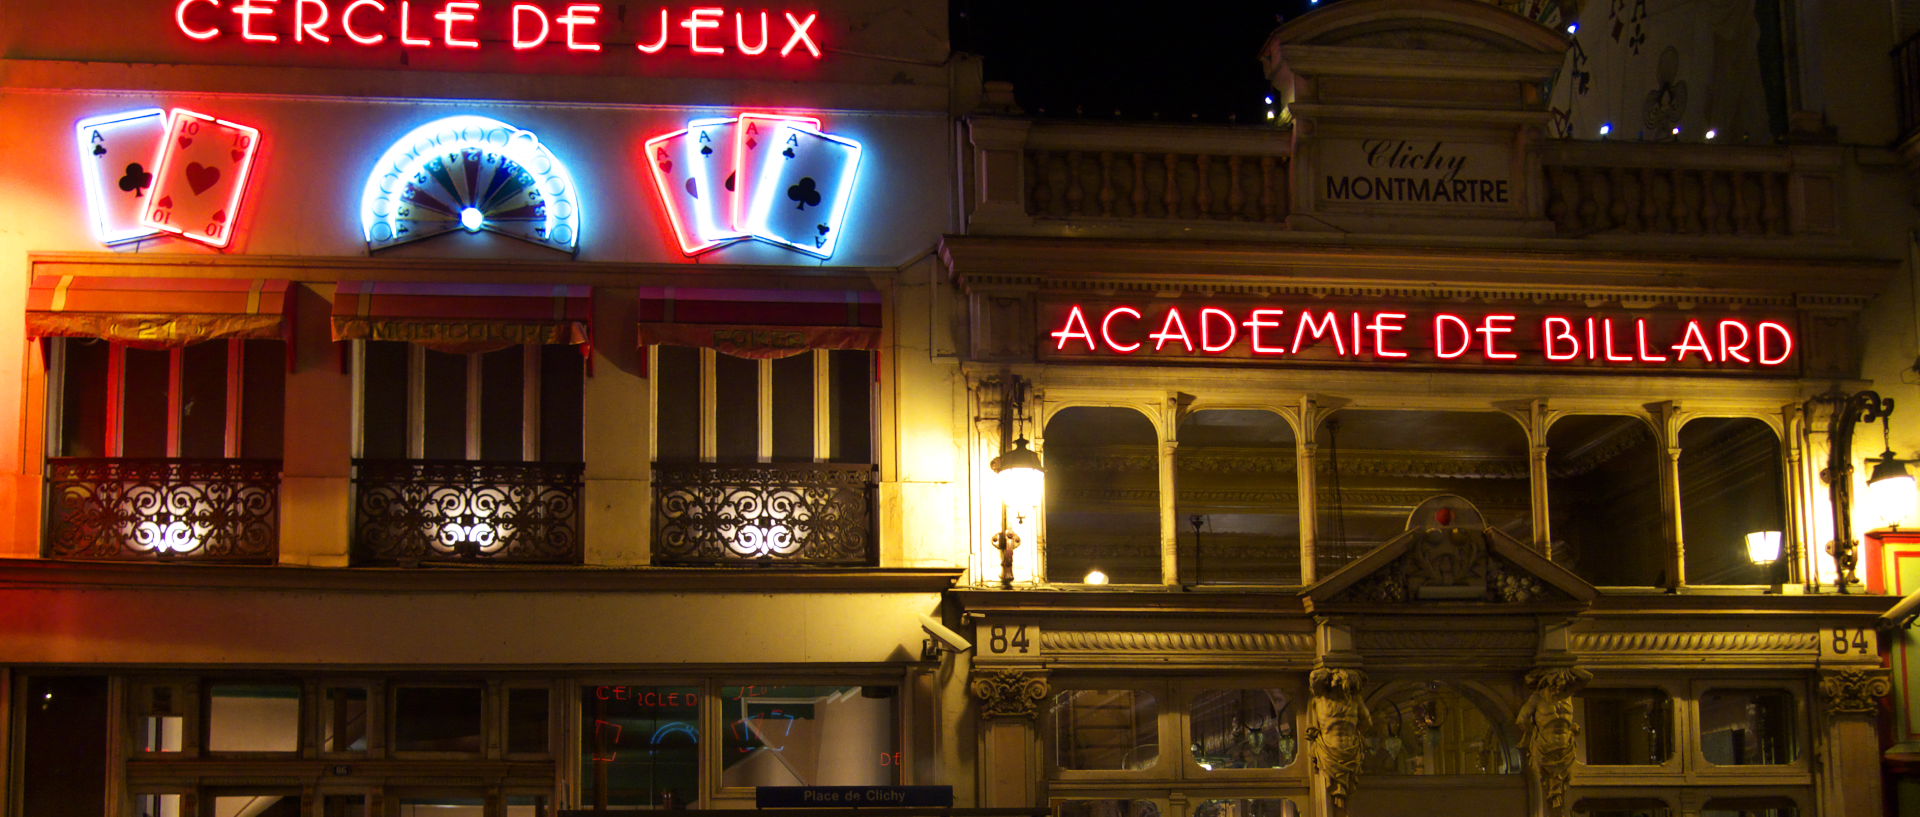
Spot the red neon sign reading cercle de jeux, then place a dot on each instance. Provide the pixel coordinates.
(468, 25)
(1408, 336)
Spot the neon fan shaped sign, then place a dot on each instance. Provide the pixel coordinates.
(470, 173)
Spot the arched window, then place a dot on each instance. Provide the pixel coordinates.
(1103, 496)
(1603, 489)
(1730, 486)
(1237, 516)
(1438, 728)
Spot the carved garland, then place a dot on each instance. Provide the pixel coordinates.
(1854, 691)
(1338, 734)
(1548, 732)
(1009, 693)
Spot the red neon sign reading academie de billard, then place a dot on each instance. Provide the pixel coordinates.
(710, 31)
(1378, 335)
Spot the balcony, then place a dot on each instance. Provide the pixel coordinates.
(815, 514)
(216, 510)
(411, 512)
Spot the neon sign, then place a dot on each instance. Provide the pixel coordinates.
(1522, 338)
(118, 153)
(470, 173)
(708, 31)
(148, 172)
(769, 177)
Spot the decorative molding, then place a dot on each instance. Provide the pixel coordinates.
(1449, 640)
(1753, 643)
(1338, 733)
(1056, 642)
(1009, 693)
(1853, 691)
(1549, 733)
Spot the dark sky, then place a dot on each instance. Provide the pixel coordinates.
(1168, 61)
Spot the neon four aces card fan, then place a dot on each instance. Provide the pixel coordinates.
(470, 173)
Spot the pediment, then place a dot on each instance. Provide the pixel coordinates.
(1449, 556)
(1419, 25)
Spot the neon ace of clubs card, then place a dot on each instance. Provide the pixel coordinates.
(801, 190)
(118, 153)
(203, 170)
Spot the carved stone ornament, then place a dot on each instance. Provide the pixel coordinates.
(1548, 732)
(1340, 723)
(1009, 693)
(1854, 691)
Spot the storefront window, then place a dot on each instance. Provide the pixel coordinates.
(156, 805)
(1248, 807)
(437, 719)
(253, 718)
(343, 805)
(66, 745)
(344, 727)
(1241, 729)
(1622, 807)
(1103, 496)
(1438, 728)
(808, 736)
(640, 745)
(1730, 485)
(1117, 729)
(1750, 807)
(284, 804)
(1106, 808)
(158, 710)
(1627, 727)
(1745, 727)
(527, 720)
(1375, 467)
(1603, 489)
(443, 806)
(1237, 514)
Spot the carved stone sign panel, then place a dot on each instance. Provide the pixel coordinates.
(1432, 175)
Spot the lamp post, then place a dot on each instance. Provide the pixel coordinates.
(1018, 474)
(1848, 411)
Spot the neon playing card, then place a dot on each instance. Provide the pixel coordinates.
(751, 136)
(800, 197)
(682, 192)
(118, 153)
(202, 173)
(709, 157)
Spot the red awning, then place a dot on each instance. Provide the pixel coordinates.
(760, 323)
(463, 317)
(157, 312)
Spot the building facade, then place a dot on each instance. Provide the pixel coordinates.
(499, 409)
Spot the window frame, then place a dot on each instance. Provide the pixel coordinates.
(709, 444)
(113, 443)
(1679, 745)
(1800, 772)
(531, 388)
(302, 715)
(1294, 688)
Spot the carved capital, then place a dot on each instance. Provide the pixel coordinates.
(1340, 723)
(1009, 693)
(1548, 732)
(1853, 691)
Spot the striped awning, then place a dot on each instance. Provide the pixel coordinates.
(463, 317)
(760, 323)
(157, 312)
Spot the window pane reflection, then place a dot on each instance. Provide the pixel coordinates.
(1625, 727)
(808, 736)
(257, 805)
(1106, 729)
(1103, 496)
(1236, 516)
(1438, 728)
(1730, 484)
(345, 725)
(1744, 727)
(1242, 729)
(253, 718)
(437, 719)
(1603, 489)
(640, 745)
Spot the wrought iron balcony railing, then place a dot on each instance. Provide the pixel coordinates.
(163, 509)
(763, 514)
(407, 512)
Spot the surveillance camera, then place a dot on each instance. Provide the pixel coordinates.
(947, 638)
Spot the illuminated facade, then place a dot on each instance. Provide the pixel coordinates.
(486, 409)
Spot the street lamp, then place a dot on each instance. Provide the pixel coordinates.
(1848, 411)
(1763, 547)
(1890, 490)
(1018, 475)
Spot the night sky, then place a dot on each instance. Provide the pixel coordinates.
(1174, 62)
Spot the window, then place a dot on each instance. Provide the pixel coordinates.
(518, 404)
(1241, 729)
(1103, 489)
(1626, 727)
(438, 719)
(1438, 728)
(1237, 514)
(63, 768)
(1115, 729)
(527, 722)
(1106, 808)
(253, 717)
(816, 406)
(1745, 727)
(344, 724)
(1247, 807)
(1603, 490)
(808, 736)
(1731, 484)
(1750, 807)
(1622, 807)
(640, 745)
(210, 400)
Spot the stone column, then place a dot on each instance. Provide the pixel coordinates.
(1549, 735)
(1009, 760)
(1849, 771)
(1337, 735)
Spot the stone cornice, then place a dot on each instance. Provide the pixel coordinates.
(41, 573)
(386, 268)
